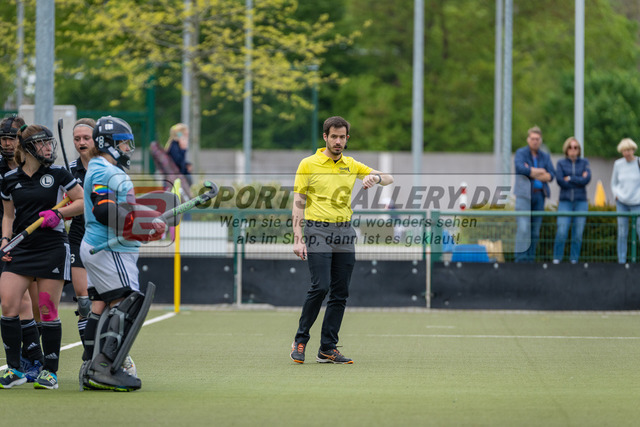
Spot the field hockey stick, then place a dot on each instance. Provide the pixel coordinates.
(30, 229)
(180, 209)
(64, 152)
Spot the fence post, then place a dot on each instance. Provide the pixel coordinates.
(436, 236)
(429, 264)
(633, 238)
(237, 259)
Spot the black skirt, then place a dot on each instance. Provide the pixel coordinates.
(51, 260)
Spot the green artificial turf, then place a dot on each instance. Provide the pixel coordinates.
(411, 368)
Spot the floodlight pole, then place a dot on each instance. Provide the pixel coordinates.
(507, 100)
(186, 65)
(248, 90)
(45, 36)
(578, 98)
(314, 116)
(497, 90)
(417, 121)
(20, 57)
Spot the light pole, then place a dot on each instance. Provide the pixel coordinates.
(578, 97)
(20, 57)
(417, 120)
(45, 35)
(314, 115)
(248, 90)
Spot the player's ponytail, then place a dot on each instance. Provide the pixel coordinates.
(19, 151)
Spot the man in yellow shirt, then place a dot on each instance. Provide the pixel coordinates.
(322, 203)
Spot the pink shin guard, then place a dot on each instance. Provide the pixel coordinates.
(48, 310)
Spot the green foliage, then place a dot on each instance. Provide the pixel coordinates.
(364, 51)
(459, 66)
(611, 113)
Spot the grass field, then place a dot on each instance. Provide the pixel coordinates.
(232, 367)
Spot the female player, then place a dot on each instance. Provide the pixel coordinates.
(28, 193)
(112, 273)
(31, 359)
(83, 142)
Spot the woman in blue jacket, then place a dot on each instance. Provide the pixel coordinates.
(573, 175)
(177, 147)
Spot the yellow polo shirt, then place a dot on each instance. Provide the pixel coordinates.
(328, 186)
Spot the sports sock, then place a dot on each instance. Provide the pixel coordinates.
(31, 340)
(82, 325)
(51, 339)
(90, 335)
(12, 338)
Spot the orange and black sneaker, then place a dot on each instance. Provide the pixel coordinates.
(297, 352)
(332, 356)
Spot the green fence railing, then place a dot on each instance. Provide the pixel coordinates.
(420, 236)
(402, 235)
(599, 239)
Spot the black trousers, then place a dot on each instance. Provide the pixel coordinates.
(331, 258)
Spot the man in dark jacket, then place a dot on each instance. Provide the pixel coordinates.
(534, 171)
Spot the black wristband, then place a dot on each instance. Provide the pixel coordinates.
(57, 212)
(379, 178)
(5, 238)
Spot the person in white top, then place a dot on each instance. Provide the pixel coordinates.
(625, 186)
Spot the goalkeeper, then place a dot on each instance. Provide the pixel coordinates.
(118, 307)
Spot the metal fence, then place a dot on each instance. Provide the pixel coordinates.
(401, 235)
(497, 230)
(268, 234)
(421, 237)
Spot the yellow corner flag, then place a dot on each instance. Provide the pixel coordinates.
(601, 197)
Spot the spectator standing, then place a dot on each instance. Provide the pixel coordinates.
(572, 174)
(177, 147)
(534, 172)
(625, 186)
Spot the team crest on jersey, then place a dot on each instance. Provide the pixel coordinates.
(46, 181)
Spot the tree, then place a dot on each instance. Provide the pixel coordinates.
(137, 40)
(459, 69)
(9, 49)
(105, 58)
(612, 113)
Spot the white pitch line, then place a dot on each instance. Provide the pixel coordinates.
(148, 322)
(550, 337)
(159, 318)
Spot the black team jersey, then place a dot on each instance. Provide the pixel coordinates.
(76, 229)
(35, 194)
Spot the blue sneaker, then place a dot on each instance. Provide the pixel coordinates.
(12, 377)
(24, 363)
(30, 369)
